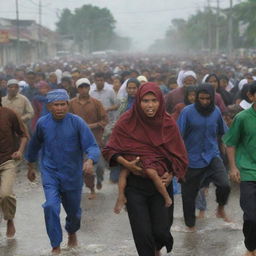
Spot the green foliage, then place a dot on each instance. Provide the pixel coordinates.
(245, 14)
(91, 27)
(199, 31)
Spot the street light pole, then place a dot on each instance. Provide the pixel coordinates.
(39, 28)
(217, 27)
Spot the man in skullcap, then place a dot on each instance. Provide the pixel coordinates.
(64, 140)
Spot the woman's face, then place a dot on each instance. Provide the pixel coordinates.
(213, 81)
(149, 104)
(131, 89)
(190, 80)
(223, 83)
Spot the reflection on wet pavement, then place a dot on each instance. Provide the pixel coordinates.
(104, 233)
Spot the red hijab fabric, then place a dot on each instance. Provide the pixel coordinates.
(156, 140)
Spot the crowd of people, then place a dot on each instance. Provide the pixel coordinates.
(155, 122)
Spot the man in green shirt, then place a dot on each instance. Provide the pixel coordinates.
(241, 150)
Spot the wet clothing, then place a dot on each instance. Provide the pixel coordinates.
(20, 105)
(200, 127)
(241, 135)
(63, 144)
(10, 129)
(173, 98)
(150, 220)
(158, 143)
(200, 135)
(248, 205)
(7, 196)
(40, 107)
(155, 140)
(93, 112)
(195, 179)
(107, 97)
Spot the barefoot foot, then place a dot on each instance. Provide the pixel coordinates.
(92, 196)
(120, 202)
(248, 253)
(201, 214)
(220, 213)
(56, 250)
(10, 231)
(72, 240)
(191, 229)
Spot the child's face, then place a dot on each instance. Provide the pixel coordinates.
(192, 97)
(223, 83)
(252, 97)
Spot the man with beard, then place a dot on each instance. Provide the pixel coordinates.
(201, 124)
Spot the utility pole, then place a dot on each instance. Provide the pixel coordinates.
(18, 33)
(217, 27)
(39, 28)
(230, 29)
(209, 25)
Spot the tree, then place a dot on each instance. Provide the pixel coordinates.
(199, 31)
(91, 27)
(64, 25)
(244, 14)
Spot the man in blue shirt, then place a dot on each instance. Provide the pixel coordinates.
(62, 139)
(200, 125)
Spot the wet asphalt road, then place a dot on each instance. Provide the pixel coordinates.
(104, 233)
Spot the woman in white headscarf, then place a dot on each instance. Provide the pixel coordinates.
(176, 96)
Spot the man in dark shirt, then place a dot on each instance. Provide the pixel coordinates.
(11, 130)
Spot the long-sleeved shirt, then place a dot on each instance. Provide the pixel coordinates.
(11, 128)
(21, 105)
(63, 144)
(200, 134)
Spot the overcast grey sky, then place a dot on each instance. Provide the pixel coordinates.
(142, 20)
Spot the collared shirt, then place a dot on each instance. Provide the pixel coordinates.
(107, 97)
(242, 136)
(10, 129)
(200, 134)
(63, 144)
(93, 112)
(21, 105)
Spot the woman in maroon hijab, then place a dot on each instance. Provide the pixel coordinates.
(146, 137)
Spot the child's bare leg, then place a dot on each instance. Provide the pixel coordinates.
(121, 200)
(153, 175)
